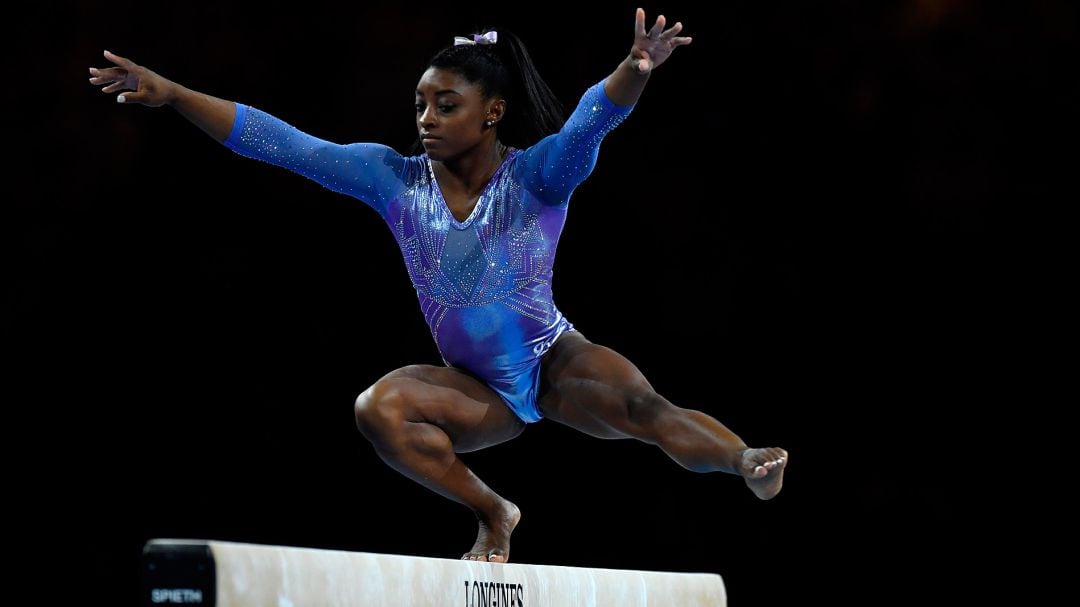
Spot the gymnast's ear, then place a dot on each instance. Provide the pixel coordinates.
(495, 111)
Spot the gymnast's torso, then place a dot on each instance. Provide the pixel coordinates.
(483, 284)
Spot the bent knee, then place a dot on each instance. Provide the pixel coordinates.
(383, 407)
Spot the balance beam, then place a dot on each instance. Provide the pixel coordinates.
(228, 574)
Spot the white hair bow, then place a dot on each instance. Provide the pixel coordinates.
(489, 38)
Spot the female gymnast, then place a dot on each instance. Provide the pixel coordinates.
(478, 221)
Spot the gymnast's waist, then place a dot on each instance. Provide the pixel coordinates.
(495, 341)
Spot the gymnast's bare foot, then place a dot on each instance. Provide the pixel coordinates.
(763, 470)
(493, 540)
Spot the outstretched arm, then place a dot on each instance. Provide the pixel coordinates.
(214, 116)
(367, 171)
(553, 167)
(650, 49)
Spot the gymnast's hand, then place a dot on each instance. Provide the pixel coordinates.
(653, 47)
(149, 88)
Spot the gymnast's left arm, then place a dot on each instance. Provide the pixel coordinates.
(558, 163)
(651, 49)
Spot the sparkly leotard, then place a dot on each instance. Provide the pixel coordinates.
(484, 284)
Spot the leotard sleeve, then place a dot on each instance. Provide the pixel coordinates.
(369, 172)
(558, 163)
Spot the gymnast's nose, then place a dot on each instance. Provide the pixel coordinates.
(427, 118)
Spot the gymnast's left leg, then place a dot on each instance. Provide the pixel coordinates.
(596, 390)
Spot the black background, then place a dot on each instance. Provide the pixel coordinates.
(807, 228)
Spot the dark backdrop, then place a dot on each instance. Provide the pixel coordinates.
(799, 230)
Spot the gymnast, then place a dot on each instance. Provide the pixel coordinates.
(477, 212)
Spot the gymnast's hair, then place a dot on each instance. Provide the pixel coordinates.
(505, 69)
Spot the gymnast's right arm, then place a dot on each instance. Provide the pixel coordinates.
(369, 172)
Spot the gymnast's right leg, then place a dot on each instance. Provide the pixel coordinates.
(420, 417)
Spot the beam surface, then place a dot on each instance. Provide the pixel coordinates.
(227, 574)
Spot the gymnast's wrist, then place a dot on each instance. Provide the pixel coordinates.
(174, 93)
(630, 65)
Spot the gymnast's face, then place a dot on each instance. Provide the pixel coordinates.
(451, 112)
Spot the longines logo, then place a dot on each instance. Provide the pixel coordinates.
(493, 594)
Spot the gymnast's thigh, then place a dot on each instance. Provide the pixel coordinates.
(473, 415)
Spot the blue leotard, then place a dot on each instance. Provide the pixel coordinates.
(484, 284)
